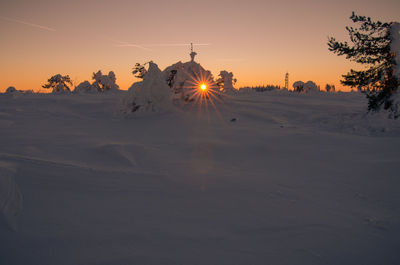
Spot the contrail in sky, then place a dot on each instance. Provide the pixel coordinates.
(27, 23)
(126, 44)
(176, 44)
(144, 46)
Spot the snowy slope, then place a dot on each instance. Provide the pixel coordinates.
(295, 179)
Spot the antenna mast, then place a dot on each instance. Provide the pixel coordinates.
(287, 81)
(192, 52)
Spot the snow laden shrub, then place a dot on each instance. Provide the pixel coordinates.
(226, 81)
(298, 86)
(139, 71)
(10, 90)
(376, 46)
(330, 88)
(105, 83)
(85, 87)
(150, 95)
(59, 83)
(302, 87)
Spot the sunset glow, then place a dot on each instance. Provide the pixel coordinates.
(251, 38)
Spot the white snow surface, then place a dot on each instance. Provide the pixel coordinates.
(270, 178)
(10, 195)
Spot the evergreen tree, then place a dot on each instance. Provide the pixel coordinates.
(171, 77)
(139, 70)
(371, 47)
(330, 88)
(59, 83)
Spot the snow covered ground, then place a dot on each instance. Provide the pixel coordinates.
(295, 179)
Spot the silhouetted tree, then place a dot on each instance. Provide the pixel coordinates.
(330, 88)
(104, 82)
(139, 71)
(59, 83)
(226, 81)
(171, 77)
(371, 47)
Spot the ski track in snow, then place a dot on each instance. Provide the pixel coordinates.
(268, 178)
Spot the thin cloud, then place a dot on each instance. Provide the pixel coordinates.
(27, 23)
(126, 44)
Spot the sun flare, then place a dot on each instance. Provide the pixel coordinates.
(203, 87)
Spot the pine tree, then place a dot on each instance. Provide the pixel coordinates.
(330, 88)
(139, 70)
(171, 77)
(371, 47)
(59, 83)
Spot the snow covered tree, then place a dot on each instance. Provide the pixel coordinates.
(298, 86)
(226, 81)
(330, 88)
(11, 90)
(139, 71)
(150, 95)
(86, 87)
(59, 83)
(171, 77)
(301, 87)
(371, 47)
(105, 82)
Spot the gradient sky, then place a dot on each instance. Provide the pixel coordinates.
(258, 40)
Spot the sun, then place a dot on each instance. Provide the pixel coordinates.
(202, 90)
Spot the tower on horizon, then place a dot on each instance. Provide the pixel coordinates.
(287, 80)
(192, 53)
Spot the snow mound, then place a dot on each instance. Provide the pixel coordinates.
(10, 195)
(150, 95)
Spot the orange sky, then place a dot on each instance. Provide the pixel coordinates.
(257, 40)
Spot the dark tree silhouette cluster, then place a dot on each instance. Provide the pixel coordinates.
(139, 70)
(59, 83)
(370, 47)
